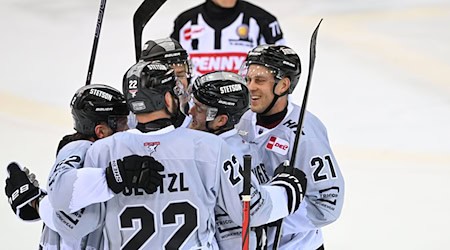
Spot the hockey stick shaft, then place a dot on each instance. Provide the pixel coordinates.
(246, 197)
(141, 17)
(312, 60)
(98, 28)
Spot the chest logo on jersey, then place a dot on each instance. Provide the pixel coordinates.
(242, 31)
(195, 31)
(277, 145)
(243, 40)
(151, 146)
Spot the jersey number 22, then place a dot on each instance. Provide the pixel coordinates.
(148, 227)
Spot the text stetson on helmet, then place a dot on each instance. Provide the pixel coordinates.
(97, 103)
(225, 91)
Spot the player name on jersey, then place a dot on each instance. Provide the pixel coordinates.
(172, 182)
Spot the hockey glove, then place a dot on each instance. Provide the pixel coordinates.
(134, 171)
(22, 188)
(294, 181)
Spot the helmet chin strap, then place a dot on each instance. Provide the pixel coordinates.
(275, 98)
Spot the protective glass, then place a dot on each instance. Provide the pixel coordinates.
(183, 68)
(261, 73)
(183, 95)
(211, 112)
(218, 76)
(179, 89)
(253, 69)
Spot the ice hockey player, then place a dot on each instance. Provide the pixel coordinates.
(220, 99)
(272, 72)
(98, 111)
(218, 33)
(169, 51)
(196, 179)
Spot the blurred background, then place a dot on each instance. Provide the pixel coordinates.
(380, 85)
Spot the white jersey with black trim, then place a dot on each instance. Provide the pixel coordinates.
(228, 233)
(57, 221)
(64, 229)
(219, 39)
(180, 215)
(325, 189)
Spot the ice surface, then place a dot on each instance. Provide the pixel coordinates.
(380, 85)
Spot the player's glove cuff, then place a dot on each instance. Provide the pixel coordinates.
(115, 176)
(294, 181)
(28, 212)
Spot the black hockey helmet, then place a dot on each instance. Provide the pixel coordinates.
(282, 60)
(225, 91)
(168, 51)
(96, 103)
(146, 83)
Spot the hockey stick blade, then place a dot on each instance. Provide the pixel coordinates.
(141, 17)
(312, 60)
(98, 28)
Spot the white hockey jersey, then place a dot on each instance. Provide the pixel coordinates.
(53, 220)
(228, 233)
(325, 188)
(219, 39)
(180, 215)
(65, 230)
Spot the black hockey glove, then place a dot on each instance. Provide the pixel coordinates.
(22, 188)
(294, 181)
(134, 171)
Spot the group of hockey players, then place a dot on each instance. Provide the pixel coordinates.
(160, 166)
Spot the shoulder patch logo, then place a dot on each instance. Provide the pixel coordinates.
(277, 145)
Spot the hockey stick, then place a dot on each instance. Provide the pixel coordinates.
(101, 11)
(141, 17)
(312, 60)
(246, 197)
